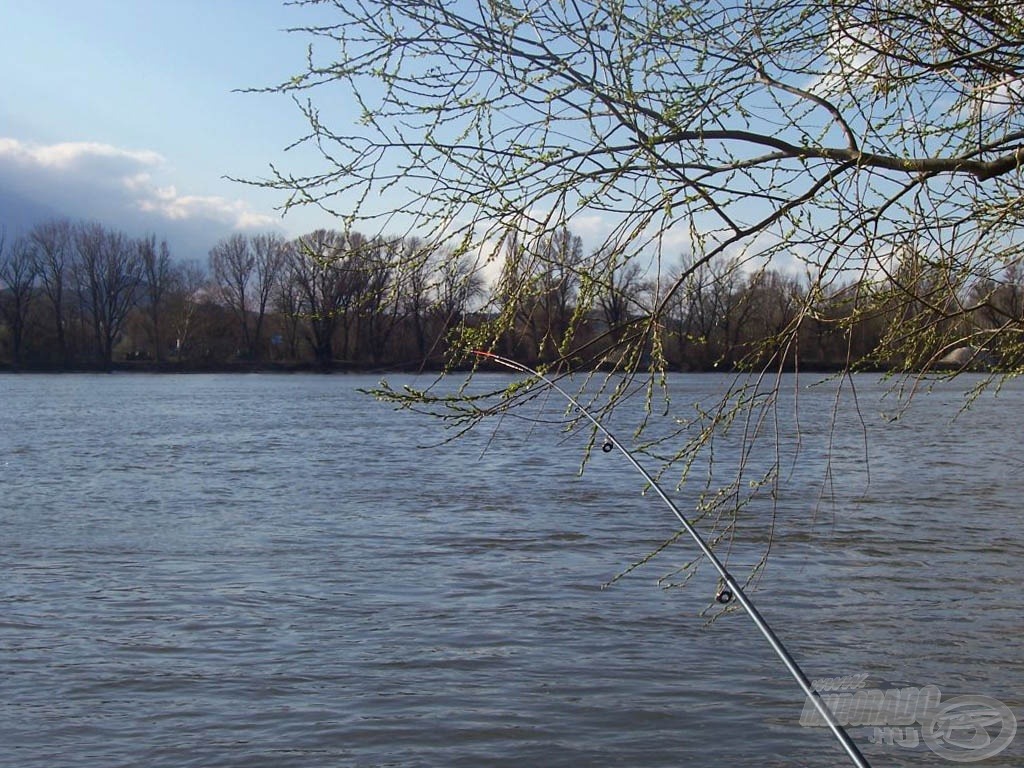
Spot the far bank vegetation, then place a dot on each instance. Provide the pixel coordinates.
(78, 295)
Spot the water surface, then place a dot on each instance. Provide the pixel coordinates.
(278, 571)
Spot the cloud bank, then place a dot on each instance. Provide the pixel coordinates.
(119, 187)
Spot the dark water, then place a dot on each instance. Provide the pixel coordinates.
(275, 571)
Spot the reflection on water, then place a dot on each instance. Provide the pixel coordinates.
(271, 571)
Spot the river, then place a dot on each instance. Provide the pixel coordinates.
(277, 570)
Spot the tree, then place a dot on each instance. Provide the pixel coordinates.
(111, 271)
(287, 301)
(618, 294)
(187, 291)
(1001, 299)
(158, 278)
(771, 129)
(561, 254)
(415, 263)
(352, 287)
(18, 273)
(379, 307)
(818, 137)
(702, 310)
(245, 272)
(55, 256)
(270, 253)
(232, 266)
(539, 290)
(458, 286)
(317, 269)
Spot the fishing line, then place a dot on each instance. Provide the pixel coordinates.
(730, 589)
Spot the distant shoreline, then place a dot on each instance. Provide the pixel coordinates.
(338, 367)
(152, 367)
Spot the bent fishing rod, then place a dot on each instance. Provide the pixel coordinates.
(732, 589)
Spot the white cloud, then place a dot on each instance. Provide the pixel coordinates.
(71, 154)
(1002, 97)
(169, 203)
(852, 62)
(122, 188)
(591, 227)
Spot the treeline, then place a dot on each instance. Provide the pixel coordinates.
(85, 296)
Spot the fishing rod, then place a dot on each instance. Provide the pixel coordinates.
(732, 589)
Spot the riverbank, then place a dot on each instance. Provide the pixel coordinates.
(340, 366)
(153, 367)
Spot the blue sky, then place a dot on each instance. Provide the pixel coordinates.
(127, 112)
(124, 111)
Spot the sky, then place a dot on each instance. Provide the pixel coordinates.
(127, 112)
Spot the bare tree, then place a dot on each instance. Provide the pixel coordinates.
(19, 270)
(379, 306)
(318, 270)
(414, 279)
(561, 253)
(187, 288)
(1001, 301)
(700, 311)
(232, 269)
(245, 272)
(539, 287)
(111, 272)
(619, 291)
(158, 276)
(55, 256)
(459, 285)
(356, 280)
(287, 302)
(270, 254)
